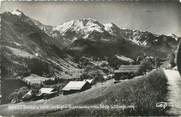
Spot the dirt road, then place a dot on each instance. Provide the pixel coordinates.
(174, 93)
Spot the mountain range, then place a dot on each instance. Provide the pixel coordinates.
(90, 37)
(28, 46)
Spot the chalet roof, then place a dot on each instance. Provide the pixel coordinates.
(35, 79)
(123, 58)
(74, 85)
(28, 93)
(128, 69)
(89, 80)
(46, 90)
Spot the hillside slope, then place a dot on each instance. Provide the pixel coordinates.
(28, 49)
(143, 93)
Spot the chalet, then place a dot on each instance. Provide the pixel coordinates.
(126, 71)
(90, 81)
(76, 86)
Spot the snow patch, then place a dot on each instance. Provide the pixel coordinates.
(144, 43)
(64, 26)
(108, 27)
(112, 29)
(20, 53)
(17, 44)
(16, 12)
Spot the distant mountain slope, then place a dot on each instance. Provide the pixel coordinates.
(90, 37)
(162, 43)
(28, 49)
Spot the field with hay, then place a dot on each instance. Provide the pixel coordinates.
(140, 94)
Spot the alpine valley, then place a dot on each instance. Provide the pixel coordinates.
(28, 45)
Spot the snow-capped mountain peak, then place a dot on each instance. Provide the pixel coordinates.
(17, 12)
(112, 28)
(80, 25)
(65, 26)
(109, 25)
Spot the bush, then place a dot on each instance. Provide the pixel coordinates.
(114, 62)
(50, 82)
(39, 67)
(35, 88)
(93, 73)
(146, 66)
(18, 94)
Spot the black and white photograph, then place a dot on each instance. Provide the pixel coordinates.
(90, 58)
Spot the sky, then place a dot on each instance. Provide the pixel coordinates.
(156, 17)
